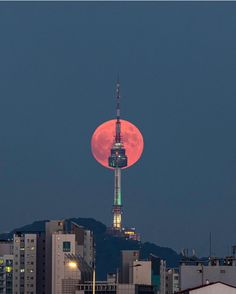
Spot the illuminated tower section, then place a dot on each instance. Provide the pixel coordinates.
(117, 160)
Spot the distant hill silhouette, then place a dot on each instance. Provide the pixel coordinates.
(108, 248)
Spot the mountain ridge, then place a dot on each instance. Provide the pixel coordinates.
(108, 247)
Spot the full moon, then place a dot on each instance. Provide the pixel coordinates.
(103, 139)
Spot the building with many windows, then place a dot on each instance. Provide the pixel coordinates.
(6, 274)
(24, 270)
(6, 266)
(110, 288)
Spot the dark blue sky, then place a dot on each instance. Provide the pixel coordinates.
(177, 64)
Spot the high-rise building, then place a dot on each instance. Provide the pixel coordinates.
(6, 274)
(40, 266)
(67, 245)
(28, 253)
(62, 244)
(51, 227)
(41, 259)
(6, 266)
(24, 270)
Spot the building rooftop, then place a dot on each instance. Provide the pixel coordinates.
(203, 286)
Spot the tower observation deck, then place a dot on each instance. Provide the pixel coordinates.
(117, 160)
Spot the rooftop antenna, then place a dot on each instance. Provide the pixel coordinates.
(210, 246)
(234, 250)
(118, 136)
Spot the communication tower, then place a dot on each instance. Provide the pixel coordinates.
(117, 160)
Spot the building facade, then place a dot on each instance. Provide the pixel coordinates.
(62, 244)
(24, 270)
(127, 259)
(6, 247)
(51, 227)
(141, 272)
(172, 281)
(6, 274)
(108, 288)
(84, 243)
(198, 273)
(63, 239)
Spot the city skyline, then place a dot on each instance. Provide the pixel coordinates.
(59, 63)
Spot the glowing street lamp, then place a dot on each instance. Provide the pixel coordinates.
(72, 264)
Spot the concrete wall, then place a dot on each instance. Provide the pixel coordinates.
(125, 289)
(6, 248)
(50, 228)
(142, 272)
(193, 276)
(88, 247)
(128, 257)
(58, 259)
(172, 281)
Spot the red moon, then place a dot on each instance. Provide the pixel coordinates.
(103, 138)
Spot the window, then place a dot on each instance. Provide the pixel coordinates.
(66, 246)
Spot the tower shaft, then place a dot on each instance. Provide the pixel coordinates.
(117, 207)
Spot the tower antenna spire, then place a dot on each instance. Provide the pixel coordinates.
(118, 98)
(118, 131)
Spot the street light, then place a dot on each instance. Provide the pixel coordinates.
(72, 264)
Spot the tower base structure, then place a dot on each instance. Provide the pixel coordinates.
(126, 233)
